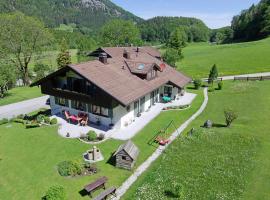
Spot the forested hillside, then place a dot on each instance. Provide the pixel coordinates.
(254, 23)
(84, 13)
(160, 28)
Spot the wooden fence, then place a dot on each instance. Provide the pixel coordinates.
(218, 79)
(254, 78)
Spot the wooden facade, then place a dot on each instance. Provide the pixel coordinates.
(80, 92)
(126, 155)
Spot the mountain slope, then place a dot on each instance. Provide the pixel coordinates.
(160, 28)
(87, 13)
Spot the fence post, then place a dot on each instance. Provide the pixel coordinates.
(261, 78)
(247, 78)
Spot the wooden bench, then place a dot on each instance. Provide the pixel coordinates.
(106, 193)
(100, 183)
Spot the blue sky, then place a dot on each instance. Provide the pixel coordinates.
(215, 13)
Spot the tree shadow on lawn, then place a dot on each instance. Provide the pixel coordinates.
(170, 194)
(216, 125)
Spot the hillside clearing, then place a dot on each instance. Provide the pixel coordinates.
(231, 59)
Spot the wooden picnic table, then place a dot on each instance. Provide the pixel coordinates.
(106, 193)
(100, 183)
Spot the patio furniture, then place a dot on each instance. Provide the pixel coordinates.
(67, 115)
(100, 183)
(166, 99)
(106, 193)
(84, 120)
(75, 118)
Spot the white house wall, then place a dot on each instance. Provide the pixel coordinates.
(121, 117)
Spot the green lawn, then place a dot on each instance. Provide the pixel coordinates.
(49, 58)
(231, 59)
(20, 94)
(28, 157)
(218, 163)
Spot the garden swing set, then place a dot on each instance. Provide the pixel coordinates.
(162, 137)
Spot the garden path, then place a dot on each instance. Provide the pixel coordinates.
(24, 107)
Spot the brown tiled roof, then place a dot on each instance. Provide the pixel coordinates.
(117, 78)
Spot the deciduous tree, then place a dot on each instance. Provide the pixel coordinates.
(120, 33)
(63, 58)
(20, 38)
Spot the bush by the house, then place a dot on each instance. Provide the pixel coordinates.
(220, 85)
(197, 83)
(101, 136)
(211, 88)
(230, 116)
(91, 136)
(3, 121)
(21, 116)
(69, 168)
(53, 121)
(32, 125)
(56, 192)
(47, 120)
(40, 118)
(17, 120)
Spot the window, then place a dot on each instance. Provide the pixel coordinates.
(104, 111)
(61, 101)
(167, 91)
(96, 109)
(78, 105)
(124, 158)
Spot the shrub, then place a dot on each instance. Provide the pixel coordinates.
(211, 88)
(101, 136)
(40, 118)
(47, 120)
(32, 125)
(3, 121)
(53, 121)
(220, 85)
(91, 135)
(69, 168)
(17, 120)
(21, 116)
(230, 116)
(197, 83)
(56, 192)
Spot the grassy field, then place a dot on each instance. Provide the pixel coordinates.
(28, 157)
(20, 94)
(218, 163)
(231, 59)
(49, 58)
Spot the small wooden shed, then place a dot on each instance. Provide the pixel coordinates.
(126, 155)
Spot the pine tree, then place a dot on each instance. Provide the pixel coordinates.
(213, 74)
(63, 58)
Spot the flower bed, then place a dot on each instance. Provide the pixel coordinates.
(176, 107)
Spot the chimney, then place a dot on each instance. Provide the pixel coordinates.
(126, 54)
(103, 58)
(138, 49)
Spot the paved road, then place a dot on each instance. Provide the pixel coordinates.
(144, 166)
(245, 75)
(23, 107)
